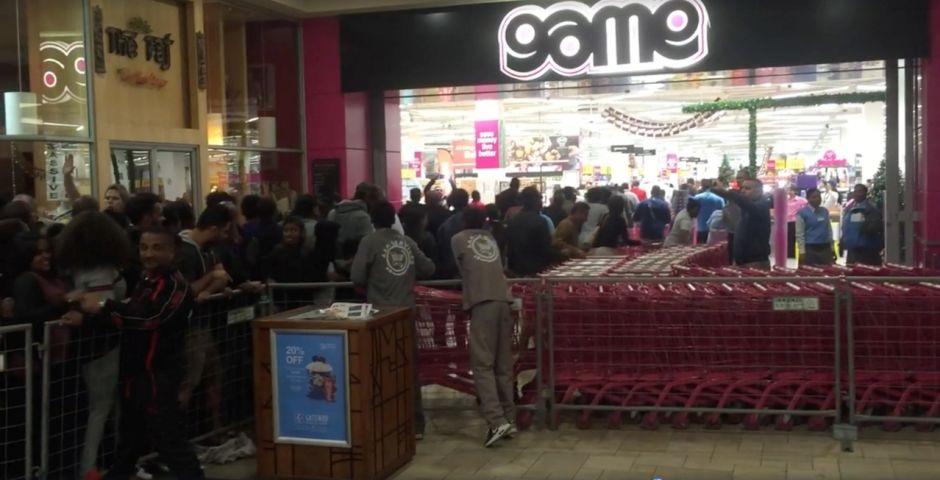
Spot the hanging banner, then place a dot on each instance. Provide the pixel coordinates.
(487, 144)
(55, 174)
(672, 162)
(464, 152)
(311, 387)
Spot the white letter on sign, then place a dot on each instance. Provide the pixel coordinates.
(612, 37)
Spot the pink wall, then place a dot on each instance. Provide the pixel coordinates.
(336, 122)
(928, 178)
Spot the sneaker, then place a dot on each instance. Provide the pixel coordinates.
(419, 436)
(512, 431)
(493, 435)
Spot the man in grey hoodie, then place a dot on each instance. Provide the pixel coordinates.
(486, 296)
(387, 265)
(353, 216)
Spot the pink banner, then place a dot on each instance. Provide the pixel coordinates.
(672, 162)
(487, 143)
(830, 160)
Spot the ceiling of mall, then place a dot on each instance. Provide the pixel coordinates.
(313, 8)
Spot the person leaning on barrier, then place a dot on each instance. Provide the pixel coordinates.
(92, 250)
(197, 264)
(387, 266)
(486, 297)
(153, 324)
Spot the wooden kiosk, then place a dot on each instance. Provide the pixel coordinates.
(302, 390)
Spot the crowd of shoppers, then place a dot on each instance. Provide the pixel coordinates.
(139, 265)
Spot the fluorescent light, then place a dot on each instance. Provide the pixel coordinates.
(252, 119)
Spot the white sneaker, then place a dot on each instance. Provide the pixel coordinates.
(493, 435)
(512, 431)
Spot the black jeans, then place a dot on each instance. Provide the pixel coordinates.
(146, 417)
(864, 256)
(818, 254)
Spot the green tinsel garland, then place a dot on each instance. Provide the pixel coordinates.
(754, 104)
(803, 101)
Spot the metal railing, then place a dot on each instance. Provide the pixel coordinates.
(80, 367)
(17, 381)
(837, 351)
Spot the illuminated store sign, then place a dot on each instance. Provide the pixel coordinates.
(610, 37)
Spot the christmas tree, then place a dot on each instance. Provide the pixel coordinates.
(725, 172)
(879, 185)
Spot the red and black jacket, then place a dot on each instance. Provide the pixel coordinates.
(153, 324)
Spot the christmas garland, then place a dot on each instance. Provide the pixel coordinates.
(755, 104)
(653, 129)
(802, 101)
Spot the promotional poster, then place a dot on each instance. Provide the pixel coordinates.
(311, 387)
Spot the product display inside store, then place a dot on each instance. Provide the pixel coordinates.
(820, 121)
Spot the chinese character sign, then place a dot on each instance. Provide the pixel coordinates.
(311, 398)
(487, 140)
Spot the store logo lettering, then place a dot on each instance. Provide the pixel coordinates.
(611, 37)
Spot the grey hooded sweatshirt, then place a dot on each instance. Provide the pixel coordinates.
(353, 219)
(387, 266)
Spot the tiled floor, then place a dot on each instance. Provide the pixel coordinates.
(452, 450)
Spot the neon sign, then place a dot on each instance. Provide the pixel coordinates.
(612, 37)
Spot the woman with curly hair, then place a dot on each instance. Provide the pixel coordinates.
(93, 248)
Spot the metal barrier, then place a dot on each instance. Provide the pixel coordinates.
(17, 370)
(80, 380)
(442, 331)
(718, 350)
(893, 350)
(745, 348)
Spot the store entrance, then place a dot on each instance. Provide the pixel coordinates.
(166, 170)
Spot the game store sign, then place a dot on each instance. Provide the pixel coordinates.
(535, 40)
(611, 37)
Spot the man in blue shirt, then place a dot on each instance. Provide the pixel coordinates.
(653, 215)
(862, 230)
(752, 238)
(814, 231)
(708, 203)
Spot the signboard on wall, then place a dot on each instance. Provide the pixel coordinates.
(536, 40)
(325, 173)
(143, 46)
(311, 387)
(487, 143)
(571, 39)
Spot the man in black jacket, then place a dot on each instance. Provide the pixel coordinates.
(751, 247)
(153, 324)
(528, 237)
(508, 198)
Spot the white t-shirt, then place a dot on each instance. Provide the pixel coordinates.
(681, 232)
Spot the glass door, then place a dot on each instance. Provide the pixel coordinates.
(168, 171)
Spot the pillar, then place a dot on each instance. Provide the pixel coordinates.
(360, 130)
(928, 171)
(337, 128)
